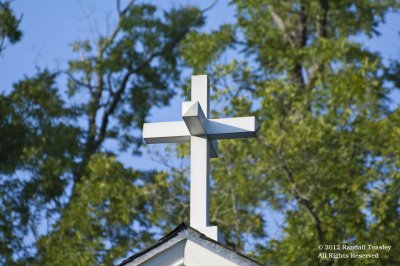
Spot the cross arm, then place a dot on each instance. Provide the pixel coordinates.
(165, 132)
(232, 128)
(223, 128)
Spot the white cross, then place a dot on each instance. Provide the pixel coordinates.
(203, 133)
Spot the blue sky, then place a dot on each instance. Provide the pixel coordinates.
(49, 28)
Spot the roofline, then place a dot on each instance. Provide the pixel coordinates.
(161, 241)
(174, 233)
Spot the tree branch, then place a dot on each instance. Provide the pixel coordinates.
(76, 81)
(281, 25)
(322, 22)
(306, 203)
(117, 96)
(300, 42)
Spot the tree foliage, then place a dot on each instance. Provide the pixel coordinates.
(9, 25)
(326, 158)
(62, 190)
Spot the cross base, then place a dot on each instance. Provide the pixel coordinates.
(213, 233)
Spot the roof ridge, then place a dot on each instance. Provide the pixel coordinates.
(180, 228)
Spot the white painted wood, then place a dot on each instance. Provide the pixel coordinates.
(171, 256)
(203, 134)
(199, 162)
(179, 263)
(213, 148)
(232, 128)
(196, 255)
(165, 132)
(199, 183)
(194, 118)
(201, 92)
(191, 250)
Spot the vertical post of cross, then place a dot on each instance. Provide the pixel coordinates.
(203, 133)
(199, 159)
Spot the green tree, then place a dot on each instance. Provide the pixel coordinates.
(9, 25)
(327, 155)
(62, 191)
(326, 159)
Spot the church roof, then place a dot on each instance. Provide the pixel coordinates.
(178, 237)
